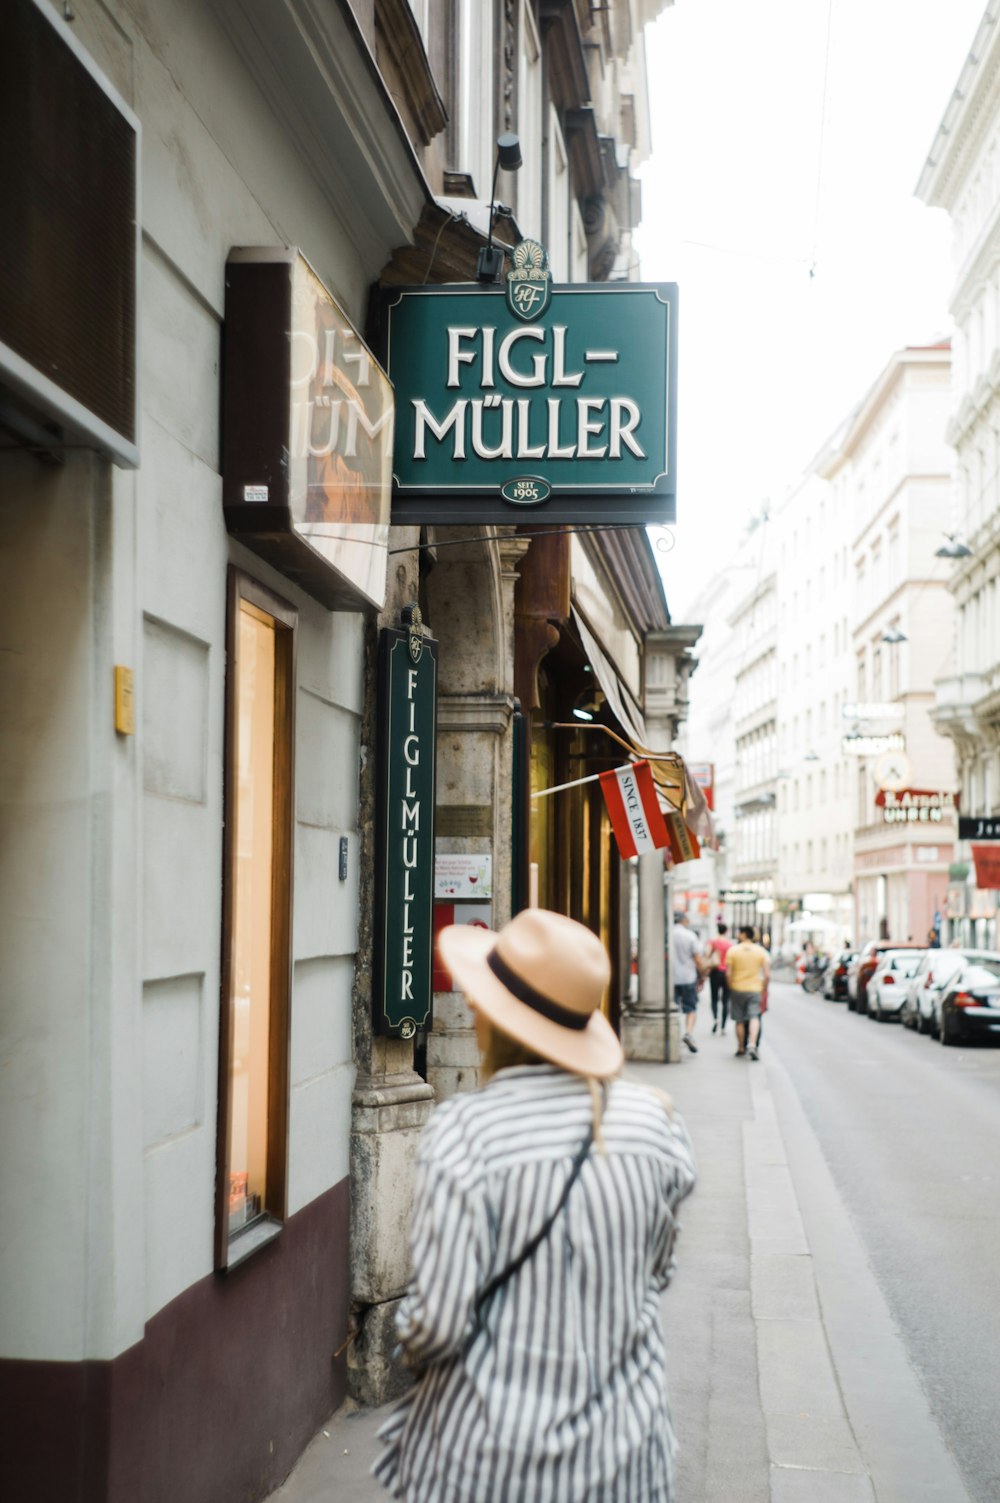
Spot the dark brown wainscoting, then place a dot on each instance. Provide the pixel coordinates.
(228, 1385)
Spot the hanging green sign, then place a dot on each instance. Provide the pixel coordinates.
(404, 860)
(558, 400)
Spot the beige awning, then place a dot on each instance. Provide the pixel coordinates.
(674, 783)
(623, 706)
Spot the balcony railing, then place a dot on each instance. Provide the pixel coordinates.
(954, 698)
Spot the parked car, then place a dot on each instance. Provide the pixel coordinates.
(970, 1008)
(853, 971)
(862, 967)
(835, 978)
(932, 978)
(887, 986)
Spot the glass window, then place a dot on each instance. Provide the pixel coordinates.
(256, 967)
(557, 230)
(474, 93)
(893, 552)
(528, 183)
(894, 685)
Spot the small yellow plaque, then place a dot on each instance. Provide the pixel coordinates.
(124, 701)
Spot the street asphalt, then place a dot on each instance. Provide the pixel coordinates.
(910, 1131)
(832, 1328)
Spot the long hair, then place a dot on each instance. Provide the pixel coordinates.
(501, 1052)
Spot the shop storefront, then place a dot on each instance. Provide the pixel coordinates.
(222, 787)
(901, 863)
(196, 526)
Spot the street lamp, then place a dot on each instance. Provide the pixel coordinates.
(953, 548)
(490, 262)
(893, 635)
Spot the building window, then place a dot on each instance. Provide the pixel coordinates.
(557, 229)
(475, 94)
(893, 556)
(528, 183)
(894, 683)
(257, 911)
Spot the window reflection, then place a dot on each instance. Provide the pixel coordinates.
(252, 969)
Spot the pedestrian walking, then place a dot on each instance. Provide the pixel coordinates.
(748, 970)
(685, 953)
(717, 949)
(544, 1223)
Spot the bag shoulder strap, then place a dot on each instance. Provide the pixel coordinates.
(501, 1278)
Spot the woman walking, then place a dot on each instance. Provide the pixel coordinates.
(717, 950)
(543, 1234)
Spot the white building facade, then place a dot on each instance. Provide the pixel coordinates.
(890, 472)
(962, 176)
(754, 624)
(849, 612)
(815, 814)
(708, 738)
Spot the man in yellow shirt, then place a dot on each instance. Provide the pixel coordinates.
(747, 971)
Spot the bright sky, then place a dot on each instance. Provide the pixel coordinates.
(758, 175)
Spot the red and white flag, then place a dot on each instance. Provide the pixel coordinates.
(684, 844)
(630, 795)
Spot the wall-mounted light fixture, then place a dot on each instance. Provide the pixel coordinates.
(588, 703)
(893, 635)
(490, 262)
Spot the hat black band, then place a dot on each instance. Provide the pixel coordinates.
(525, 993)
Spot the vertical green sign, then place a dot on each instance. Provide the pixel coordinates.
(407, 726)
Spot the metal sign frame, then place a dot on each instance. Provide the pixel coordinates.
(402, 965)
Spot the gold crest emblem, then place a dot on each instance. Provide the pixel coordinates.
(529, 281)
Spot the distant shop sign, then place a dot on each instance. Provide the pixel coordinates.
(564, 412)
(979, 827)
(404, 841)
(914, 805)
(873, 710)
(703, 774)
(873, 746)
(737, 895)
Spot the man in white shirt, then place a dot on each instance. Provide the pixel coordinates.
(684, 952)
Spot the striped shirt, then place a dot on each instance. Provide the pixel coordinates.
(558, 1394)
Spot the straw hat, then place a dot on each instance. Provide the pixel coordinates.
(541, 981)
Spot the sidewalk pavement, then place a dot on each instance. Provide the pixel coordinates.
(789, 1382)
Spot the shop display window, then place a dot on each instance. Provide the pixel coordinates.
(256, 970)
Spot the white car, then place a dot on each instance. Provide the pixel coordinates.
(937, 969)
(889, 984)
